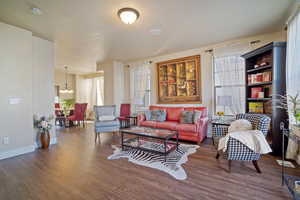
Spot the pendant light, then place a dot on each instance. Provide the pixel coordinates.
(66, 90)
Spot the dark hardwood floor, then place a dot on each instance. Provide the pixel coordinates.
(77, 168)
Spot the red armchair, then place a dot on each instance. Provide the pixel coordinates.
(79, 113)
(191, 132)
(124, 115)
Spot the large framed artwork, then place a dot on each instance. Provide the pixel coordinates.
(179, 81)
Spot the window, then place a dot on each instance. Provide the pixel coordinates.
(140, 87)
(229, 84)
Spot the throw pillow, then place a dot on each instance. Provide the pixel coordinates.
(157, 115)
(197, 115)
(148, 115)
(240, 125)
(187, 117)
(163, 116)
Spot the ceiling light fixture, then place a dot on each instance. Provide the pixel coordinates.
(66, 90)
(128, 15)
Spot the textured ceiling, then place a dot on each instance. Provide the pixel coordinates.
(86, 32)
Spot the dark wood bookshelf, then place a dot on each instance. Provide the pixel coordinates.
(259, 69)
(273, 58)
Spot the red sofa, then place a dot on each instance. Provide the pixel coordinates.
(191, 132)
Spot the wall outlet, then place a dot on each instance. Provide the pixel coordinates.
(6, 140)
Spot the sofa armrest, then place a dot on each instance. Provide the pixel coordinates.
(140, 118)
(201, 127)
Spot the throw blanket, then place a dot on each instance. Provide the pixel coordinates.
(253, 139)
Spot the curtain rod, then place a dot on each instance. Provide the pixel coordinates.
(294, 14)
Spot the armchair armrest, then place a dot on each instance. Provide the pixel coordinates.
(219, 130)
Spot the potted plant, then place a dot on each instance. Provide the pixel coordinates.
(67, 105)
(292, 105)
(44, 126)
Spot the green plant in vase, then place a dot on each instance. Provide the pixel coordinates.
(67, 105)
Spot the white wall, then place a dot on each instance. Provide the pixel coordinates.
(116, 83)
(19, 80)
(118, 71)
(43, 78)
(206, 65)
(108, 69)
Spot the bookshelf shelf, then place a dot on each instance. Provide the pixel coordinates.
(259, 99)
(260, 84)
(273, 56)
(267, 67)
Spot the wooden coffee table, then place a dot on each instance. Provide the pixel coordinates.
(161, 136)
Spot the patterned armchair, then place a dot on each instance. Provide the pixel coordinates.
(235, 149)
(111, 124)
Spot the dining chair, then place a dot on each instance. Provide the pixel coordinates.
(79, 113)
(124, 115)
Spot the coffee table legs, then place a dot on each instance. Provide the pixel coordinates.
(122, 140)
(165, 145)
(177, 135)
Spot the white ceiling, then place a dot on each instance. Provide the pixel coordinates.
(89, 31)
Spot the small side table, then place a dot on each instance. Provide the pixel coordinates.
(134, 119)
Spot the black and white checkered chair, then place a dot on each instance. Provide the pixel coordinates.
(235, 149)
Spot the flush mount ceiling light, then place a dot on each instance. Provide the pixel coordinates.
(128, 15)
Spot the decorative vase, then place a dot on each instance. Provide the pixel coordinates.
(45, 139)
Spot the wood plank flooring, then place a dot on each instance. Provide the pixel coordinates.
(77, 168)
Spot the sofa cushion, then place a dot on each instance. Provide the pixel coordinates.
(186, 127)
(187, 117)
(167, 125)
(174, 113)
(151, 124)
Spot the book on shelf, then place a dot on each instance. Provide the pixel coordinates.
(267, 76)
(268, 91)
(268, 107)
(255, 92)
(260, 77)
(256, 107)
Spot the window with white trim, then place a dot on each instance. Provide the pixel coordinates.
(229, 84)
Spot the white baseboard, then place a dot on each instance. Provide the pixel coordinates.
(23, 150)
(17, 152)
